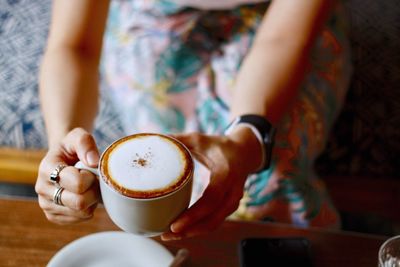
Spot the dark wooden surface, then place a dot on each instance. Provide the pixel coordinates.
(366, 195)
(28, 239)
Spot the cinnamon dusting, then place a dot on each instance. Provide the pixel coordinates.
(142, 161)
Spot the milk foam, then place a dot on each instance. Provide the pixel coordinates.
(146, 163)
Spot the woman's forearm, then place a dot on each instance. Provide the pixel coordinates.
(268, 81)
(68, 92)
(69, 71)
(274, 68)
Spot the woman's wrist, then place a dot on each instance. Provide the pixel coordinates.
(56, 136)
(250, 150)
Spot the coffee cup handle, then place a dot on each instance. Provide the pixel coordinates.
(81, 166)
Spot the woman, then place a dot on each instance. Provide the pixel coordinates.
(189, 68)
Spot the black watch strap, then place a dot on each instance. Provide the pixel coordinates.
(263, 130)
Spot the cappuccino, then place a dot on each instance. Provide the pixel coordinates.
(146, 165)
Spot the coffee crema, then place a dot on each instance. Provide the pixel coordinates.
(146, 165)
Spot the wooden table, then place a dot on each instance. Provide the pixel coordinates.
(28, 239)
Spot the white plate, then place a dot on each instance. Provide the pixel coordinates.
(112, 249)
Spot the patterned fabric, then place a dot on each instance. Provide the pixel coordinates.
(21, 124)
(23, 33)
(174, 72)
(365, 140)
(211, 4)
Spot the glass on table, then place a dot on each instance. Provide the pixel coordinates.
(389, 253)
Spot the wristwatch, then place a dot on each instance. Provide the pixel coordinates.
(262, 129)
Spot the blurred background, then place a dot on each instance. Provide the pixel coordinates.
(360, 165)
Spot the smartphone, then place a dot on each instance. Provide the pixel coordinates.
(274, 252)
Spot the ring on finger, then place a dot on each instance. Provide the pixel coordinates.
(57, 196)
(55, 174)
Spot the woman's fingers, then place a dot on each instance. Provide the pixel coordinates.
(65, 217)
(51, 208)
(70, 199)
(82, 143)
(71, 178)
(80, 187)
(214, 193)
(79, 202)
(77, 181)
(220, 186)
(80, 193)
(211, 221)
(222, 196)
(76, 206)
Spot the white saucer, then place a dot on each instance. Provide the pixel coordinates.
(112, 249)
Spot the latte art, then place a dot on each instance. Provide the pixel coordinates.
(146, 165)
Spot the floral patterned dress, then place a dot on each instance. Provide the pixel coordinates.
(172, 69)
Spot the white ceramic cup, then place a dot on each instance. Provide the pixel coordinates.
(143, 216)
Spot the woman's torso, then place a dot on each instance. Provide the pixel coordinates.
(173, 69)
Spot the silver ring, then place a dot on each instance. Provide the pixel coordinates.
(57, 196)
(55, 175)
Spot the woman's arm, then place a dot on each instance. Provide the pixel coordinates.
(68, 94)
(268, 81)
(69, 71)
(275, 66)
(271, 73)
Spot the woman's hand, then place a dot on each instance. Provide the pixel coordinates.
(81, 188)
(230, 160)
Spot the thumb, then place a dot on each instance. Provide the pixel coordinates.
(190, 140)
(82, 143)
(197, 145)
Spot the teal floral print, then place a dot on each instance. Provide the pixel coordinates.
(172, 69)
